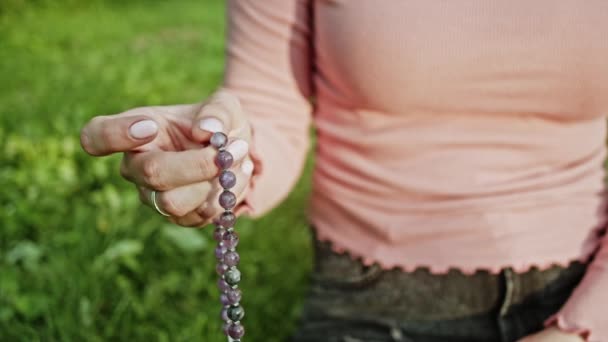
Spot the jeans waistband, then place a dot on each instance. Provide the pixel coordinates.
(422, 295)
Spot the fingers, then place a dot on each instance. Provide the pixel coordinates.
(192, 219)
(105, 135)
(197, 205)
(180, 201)
(222, 113)
(163, 171)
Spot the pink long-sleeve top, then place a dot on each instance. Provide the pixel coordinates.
(465, 134)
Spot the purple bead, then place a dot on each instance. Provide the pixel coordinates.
(226, 328)
(227, 199)
(218, 139)
(231, 240)
(236, 331)
(221, 268)
(218, 234)
(224, 299)
(227, 219)
(234, 296)
(223, 285)
(227, 179)
(224, 159)
(224, 314)
(231, 258)
(220, 251)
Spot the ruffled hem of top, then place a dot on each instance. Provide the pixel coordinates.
(560, 322)
(436, 269)
(247, 206)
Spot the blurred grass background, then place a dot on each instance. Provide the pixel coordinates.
(80, 258)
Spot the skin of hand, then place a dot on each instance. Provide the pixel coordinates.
(166, 148)
(552, 334)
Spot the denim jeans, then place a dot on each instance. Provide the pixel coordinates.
(349, 302)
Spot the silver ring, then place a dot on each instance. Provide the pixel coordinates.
(153, 200)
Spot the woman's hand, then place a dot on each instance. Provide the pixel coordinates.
(167, 149)
(552, 334)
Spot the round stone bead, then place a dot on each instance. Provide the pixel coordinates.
(224, 314)
(218, 234)
(220, 252)
(223, 285)
(227, 219)
(218, 140)
(224, 299)
(227, 179)
(232, 276)
(224, 159)
(231, 258)
(236, 331)
(226, 328)
(227, 199)
(231, 240)
(221, 268)
(236, 313)
(234, 296)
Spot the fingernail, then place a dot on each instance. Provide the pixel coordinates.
(211, 125)
(238, 149)
(247, 167)
(143, 129)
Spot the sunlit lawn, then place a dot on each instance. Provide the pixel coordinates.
(80, 258)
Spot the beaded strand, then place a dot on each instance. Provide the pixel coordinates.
(230, 295)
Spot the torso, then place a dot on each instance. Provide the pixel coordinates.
(476, 127)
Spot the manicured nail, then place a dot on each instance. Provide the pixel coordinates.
(247, 167)
(143, 129)
(238, 148)
(211, 125)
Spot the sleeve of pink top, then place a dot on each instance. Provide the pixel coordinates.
(268, 68)
(586, 311)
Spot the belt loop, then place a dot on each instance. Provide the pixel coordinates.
(396, 334)
(509, 296)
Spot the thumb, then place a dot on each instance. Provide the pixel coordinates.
(221, 113)
(105, 135)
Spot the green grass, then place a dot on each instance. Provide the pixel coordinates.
(80, 258)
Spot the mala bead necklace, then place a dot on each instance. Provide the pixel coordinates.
(228, 239)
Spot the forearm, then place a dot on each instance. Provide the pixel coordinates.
(268, 68)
